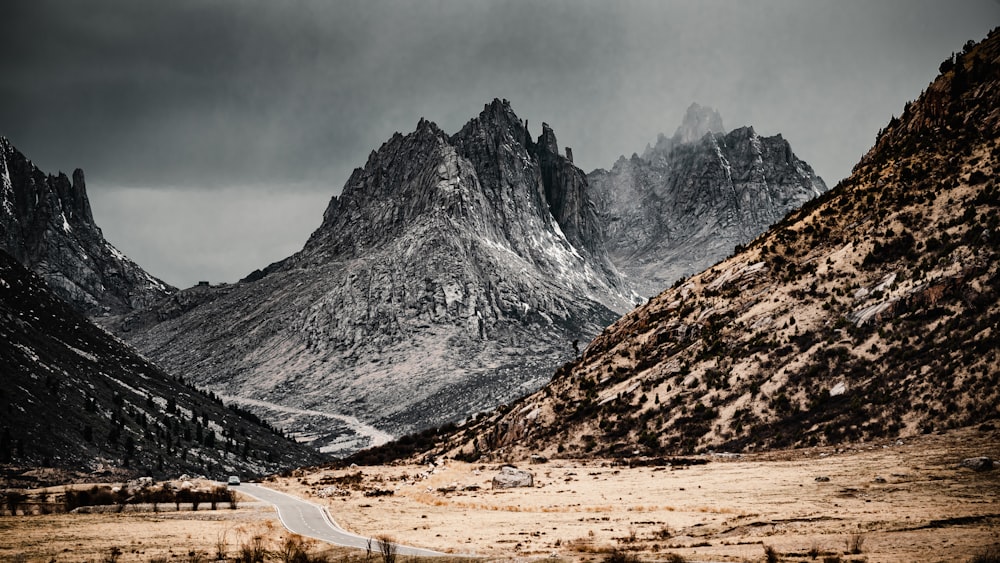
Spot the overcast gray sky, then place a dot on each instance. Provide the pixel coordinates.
(213, 133)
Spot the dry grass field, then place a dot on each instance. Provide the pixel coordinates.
(904, 501)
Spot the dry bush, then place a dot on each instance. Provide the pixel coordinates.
(771, 554)
(856, 543)
(387, 548)
(988, 555)
(617, 556)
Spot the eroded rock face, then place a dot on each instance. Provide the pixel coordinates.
(690, 199)
(451, 275)
(46, 224)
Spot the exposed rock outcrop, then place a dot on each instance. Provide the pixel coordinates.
(512, 477)
(867, 315)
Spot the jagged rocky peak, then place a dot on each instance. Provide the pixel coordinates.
(688, 201)
(452, 274)
(698, 122)
(47, 225)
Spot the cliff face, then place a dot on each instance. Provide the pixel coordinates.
(451, 275)
(692, 198)
(46, 224)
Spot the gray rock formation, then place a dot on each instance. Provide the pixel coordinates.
(512, 477)
(689, 200)
(46, 224)
(981, 463)
(451, 275)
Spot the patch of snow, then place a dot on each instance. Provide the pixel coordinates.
(81, 353)
(65, 224)
(6, 189)
(115, 252)
(27, 352)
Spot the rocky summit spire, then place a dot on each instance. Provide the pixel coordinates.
(698, 122)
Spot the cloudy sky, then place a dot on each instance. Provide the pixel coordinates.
(213, 133)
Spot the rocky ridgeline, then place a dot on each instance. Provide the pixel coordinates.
(46, 224)
(690, 199)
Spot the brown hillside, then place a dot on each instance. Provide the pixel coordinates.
(872, 312)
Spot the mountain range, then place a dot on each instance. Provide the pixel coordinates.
(870, 313)
(451, 275)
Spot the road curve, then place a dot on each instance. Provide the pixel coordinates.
(311, 520)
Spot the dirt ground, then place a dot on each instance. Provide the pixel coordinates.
(902, 501)
(905, 501)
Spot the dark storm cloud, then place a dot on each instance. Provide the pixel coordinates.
(263, 101)
(207, 93)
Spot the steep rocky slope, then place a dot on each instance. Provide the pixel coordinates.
(46, 224)
(74, 397)
(451, 275)
(871, 312)
(691, 198)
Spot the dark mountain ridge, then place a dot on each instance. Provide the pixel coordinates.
(76, 398)
(47, 225)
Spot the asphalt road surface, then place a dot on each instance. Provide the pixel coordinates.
(311, 520)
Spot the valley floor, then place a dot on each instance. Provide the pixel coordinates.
(901, 500)
(927, 509)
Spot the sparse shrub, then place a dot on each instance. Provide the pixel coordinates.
(294, 550)
(771, 554)
(13, 500)
(221, 547)
(387, 548)
(988, 555)
(663, 533)
(252, 551)
(675, 558)
(856, 543)
(813, 550)
(617, 556)
(114, 552)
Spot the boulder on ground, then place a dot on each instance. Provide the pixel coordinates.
(511, 477)
(981, 463)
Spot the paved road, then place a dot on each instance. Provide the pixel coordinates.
(311, 520)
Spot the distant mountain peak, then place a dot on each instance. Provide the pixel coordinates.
(688, 201)
(699, 121)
